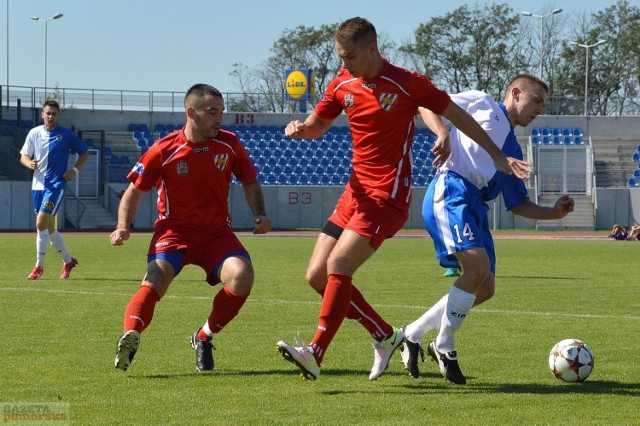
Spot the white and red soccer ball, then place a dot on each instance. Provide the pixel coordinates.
(571, 360)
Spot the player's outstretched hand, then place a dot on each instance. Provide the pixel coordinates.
(564, 205)
(441, 150)
(513, 166)
(295, 129)
(262, 225)
(119, 236)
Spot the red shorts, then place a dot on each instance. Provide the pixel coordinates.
(207, 247)
(373, 216)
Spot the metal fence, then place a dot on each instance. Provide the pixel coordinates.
(167, 101)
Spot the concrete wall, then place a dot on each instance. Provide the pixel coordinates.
(306, 207)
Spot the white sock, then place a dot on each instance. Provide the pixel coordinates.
(430, 320)
(58, 243)
(42, 240)
(207, 330)
(457, 309)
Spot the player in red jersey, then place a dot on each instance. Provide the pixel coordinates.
(381, 101)
(191, 169)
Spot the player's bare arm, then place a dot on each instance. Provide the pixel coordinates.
(442, 146)
(255, 200)
(82, 159)
(126, 212)
(28, 162)
(563, 206)
(467, 125)
(313, 127)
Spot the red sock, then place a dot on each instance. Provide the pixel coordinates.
(335, 304)
(361, 311)
(140, 309)
(226, 306)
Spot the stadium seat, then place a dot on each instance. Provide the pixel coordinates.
(546, 132)
(567, 132)
(535, 132)
(578, 140)
(636, 157)
(557, 140)
(636, 173)
(159, 128)
(556, 132)
(535, 140)
(133, 127)
(577, 132)
(546, 140)
(143, 127)
(633, 182)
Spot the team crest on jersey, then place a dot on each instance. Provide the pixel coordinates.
(182, 168)
(348, 100)
(220, 161)
(387, 100)
(49, 205)
(138, 168)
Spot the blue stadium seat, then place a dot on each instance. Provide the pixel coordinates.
(271, 179)
(556, 132)
(325, 180)
(636, 173)
(143, 127)
(547, 140)
(545, 132)
(633, 182)
(557, 140)
(577, 132)
(314, 180)
(568, 140)
(133, 127)
(535, 132)
(578, 140)
(303, 180)
(567, 132)
(535, 140)
(159, 128)
(636, 157)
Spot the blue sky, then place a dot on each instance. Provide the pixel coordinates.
(170, 45)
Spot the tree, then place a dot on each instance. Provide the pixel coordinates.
(302, 47)
(469, 48)
(614, 67)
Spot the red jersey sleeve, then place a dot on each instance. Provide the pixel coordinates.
(146, 172)
(427, 95)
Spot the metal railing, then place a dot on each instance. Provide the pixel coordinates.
(170, 101)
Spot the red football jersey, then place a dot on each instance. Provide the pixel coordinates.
(193, 178)
(381, 115)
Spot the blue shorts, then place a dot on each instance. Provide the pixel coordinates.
(456, 218)
(47, 200)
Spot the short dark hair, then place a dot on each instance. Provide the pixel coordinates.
(201, 90)
(356, 30)
(51, 103)
(530, 79)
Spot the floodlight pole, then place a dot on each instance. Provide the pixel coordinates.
(46, 30)
(533, 15)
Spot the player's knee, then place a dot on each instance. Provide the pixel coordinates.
(241, 282)
(317, 281)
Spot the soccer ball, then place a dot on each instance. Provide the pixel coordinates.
(571, 360)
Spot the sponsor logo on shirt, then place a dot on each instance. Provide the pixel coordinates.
(369, 85)
(182, 168)
(348, 100)
(202, 149)
(162, 243)
(220, 161)
(387, 100)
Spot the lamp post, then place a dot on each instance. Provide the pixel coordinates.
(586, 71)
(46, 25)
(533, 15)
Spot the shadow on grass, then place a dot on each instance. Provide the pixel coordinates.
(275, 372)
(589, 387)
(539, 277)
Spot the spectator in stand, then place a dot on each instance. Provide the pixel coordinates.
(619, 232)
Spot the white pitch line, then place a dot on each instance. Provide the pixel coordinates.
(303, 302)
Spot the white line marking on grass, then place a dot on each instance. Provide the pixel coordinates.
(303, 302)
(306, 302)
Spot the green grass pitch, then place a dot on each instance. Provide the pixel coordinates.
(58, 338)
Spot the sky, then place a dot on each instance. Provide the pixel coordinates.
(162, 45)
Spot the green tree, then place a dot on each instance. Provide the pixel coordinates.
(469, 48)
(302, 47)
(614, 67)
